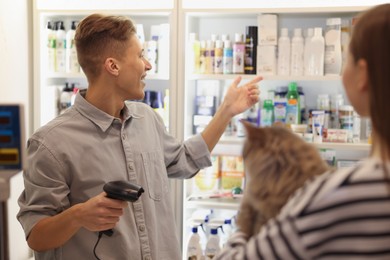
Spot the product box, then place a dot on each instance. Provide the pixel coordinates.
(199, 123)
(337, 135)
(207, 180)
(205, 105)
(346, 163)
(266, 60)
(232, 172)
(268, 29)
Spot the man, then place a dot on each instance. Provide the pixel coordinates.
(103, 138)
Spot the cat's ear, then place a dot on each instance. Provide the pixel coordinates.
(249, 128)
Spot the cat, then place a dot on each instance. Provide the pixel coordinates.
(277, 162)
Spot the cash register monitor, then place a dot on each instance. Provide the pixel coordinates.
(12, 144)
(12, 148)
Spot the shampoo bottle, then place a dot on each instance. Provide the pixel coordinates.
(284, 51)
(314, 54)
(60, 47)
(227, 57)
(51, 47)
(238, 54)
(333, 57)
(72, 64)
(297, 44)
(194, 50)
(218, 59)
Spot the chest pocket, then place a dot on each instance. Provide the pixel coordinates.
(156, 174)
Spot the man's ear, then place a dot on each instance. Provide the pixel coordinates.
(111, 65)
(363, 83)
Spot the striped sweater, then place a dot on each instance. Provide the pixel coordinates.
(339, 215)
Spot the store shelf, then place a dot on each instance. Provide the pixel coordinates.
(215, 203)
(273, 78)
(233, 146)
(104, 4)
(65, 75)
(278, 6)
(362, 146)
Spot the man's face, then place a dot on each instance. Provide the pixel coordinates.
(133, 68)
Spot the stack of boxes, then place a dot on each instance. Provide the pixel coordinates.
(267, 44)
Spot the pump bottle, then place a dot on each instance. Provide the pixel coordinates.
(60, 47)
(72, 64)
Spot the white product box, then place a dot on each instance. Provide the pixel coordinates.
(266, 60)
(268, 29)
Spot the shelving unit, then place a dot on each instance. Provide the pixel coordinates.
(148, 13)
(203, 17)
(228, 17)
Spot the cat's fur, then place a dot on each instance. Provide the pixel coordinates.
(277, 162)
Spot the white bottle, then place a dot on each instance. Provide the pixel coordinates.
(309, 34)
(72, 64)
(151, 55)
(163, 52)
(140, 33)
(314, 54)
(212, 246)
(194, 251)
(227, 229)
(333, 59)
(218, 57)
(209, 57)
(297, 45)
(227, 58)
(60, 47)
(51, 47)
(284, 50)
(238, 54)
(194, 53)
(345, 39)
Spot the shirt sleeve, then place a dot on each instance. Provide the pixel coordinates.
(46, 188)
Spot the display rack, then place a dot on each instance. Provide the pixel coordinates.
(227, 17)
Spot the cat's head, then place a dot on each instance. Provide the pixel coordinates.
(278, 160)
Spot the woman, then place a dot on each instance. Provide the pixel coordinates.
(345, 214)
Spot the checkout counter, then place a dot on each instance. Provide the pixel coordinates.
(12, 149)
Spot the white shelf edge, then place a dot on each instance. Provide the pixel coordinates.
(239, 141)
(214, 203)
(279, 6)
(60, 75)
(273, 78)
(43, 5)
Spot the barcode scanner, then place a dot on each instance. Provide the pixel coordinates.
(122, 190)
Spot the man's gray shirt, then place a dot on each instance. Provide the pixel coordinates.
(73, 156)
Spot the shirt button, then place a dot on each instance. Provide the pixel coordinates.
(130, 167)
(141, 228)
(123, 137)
(147, 257)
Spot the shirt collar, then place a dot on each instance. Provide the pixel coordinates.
(101, 118)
